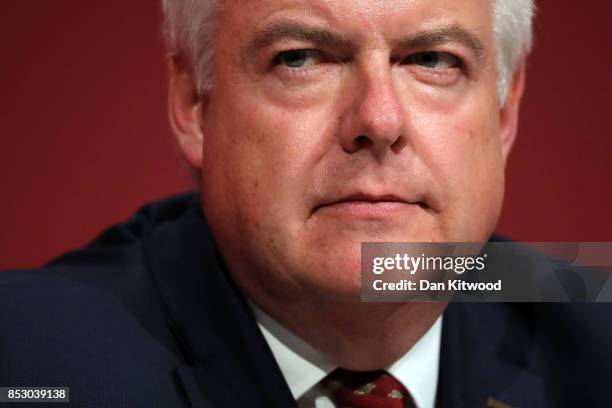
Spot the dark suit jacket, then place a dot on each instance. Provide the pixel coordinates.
(146, 316)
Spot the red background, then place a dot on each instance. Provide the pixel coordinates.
(85, 139)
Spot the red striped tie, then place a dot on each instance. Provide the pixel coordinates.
(372, 389)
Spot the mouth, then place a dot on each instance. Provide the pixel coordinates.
(369, 206)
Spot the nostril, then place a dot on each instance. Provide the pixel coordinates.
(399, 144)
(362, 141)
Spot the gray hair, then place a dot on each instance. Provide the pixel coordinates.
(190, 27)
(513, 27)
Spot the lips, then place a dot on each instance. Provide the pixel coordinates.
(365, 204)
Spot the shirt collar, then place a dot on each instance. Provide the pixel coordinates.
(303, 367)
(417, 370)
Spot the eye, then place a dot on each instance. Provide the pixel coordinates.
(434, 60)
(296, 59)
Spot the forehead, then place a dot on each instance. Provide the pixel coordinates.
(364, 19)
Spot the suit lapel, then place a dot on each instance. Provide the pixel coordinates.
(485, 355)
(228, 362)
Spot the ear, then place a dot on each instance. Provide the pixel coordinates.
(509, 114)
(185, 108)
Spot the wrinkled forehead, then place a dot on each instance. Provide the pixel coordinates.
(364, 19)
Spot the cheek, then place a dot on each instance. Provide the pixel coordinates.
(260, 153)
(462, 151)
(257, 174)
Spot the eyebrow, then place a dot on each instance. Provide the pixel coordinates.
(291, 30)
(324, 37)
(451, 34)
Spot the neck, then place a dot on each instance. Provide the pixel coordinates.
(355, 336)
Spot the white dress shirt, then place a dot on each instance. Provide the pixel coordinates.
(303, 367)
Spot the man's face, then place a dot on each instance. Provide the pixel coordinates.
(335, 122)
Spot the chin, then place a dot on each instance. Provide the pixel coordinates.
(333, 273)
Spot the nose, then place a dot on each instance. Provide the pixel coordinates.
(374, 119)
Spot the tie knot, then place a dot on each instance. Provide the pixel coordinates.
(368, 389)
